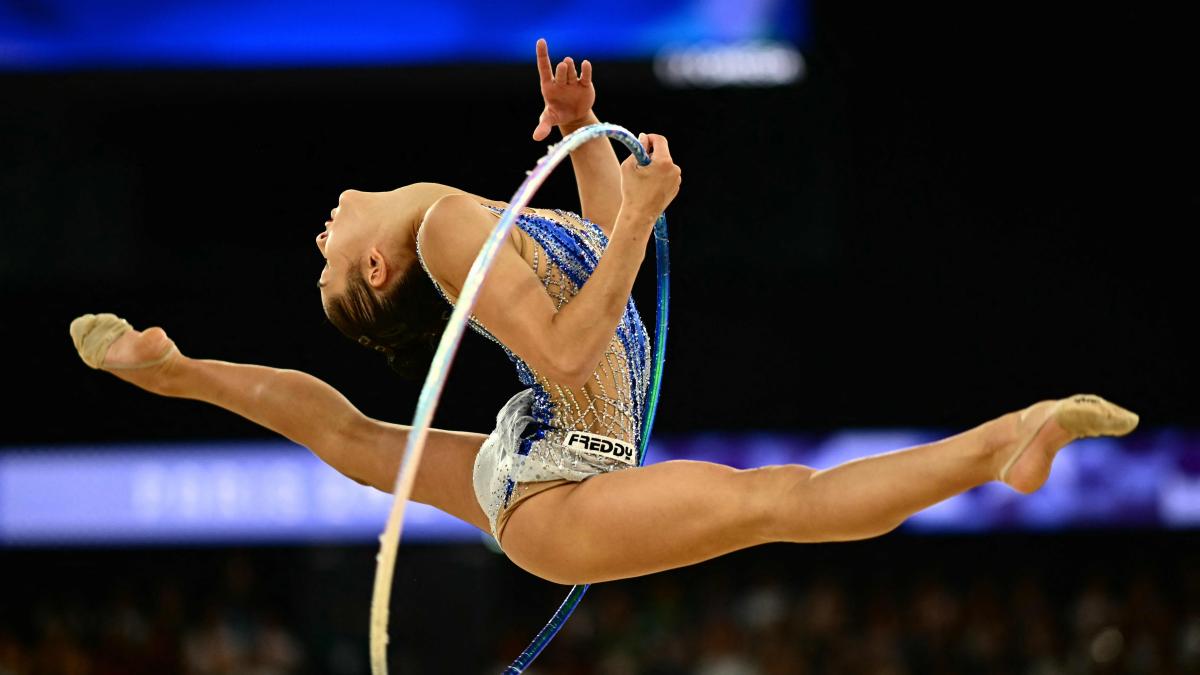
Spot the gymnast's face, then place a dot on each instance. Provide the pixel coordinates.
(360, 237)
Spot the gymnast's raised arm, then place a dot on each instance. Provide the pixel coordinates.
(565, 344)
(569, 97)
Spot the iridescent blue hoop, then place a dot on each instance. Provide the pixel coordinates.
(435, 381)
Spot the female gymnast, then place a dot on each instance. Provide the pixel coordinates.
(557, 483)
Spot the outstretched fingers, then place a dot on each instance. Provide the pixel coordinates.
(543, 62)
(568, 92)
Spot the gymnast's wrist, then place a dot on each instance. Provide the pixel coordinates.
(571, 127)
(633, 219)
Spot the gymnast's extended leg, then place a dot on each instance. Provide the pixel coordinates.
(293, 404)
(668, 515)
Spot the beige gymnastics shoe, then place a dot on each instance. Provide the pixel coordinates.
(1080, 416)
(95, 334)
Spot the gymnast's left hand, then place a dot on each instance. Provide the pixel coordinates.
(568, 95)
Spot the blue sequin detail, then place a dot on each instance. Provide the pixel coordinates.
(613, 401)
(576, 252)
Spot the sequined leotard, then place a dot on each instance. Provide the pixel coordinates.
(564, 254)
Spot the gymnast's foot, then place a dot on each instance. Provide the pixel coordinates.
(1042, 429)
(107, 342)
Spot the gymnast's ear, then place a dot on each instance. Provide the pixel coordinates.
(376, 269)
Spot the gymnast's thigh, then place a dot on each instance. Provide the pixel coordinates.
(638, 521)
(443, 478)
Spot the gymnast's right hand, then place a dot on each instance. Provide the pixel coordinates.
(647, 190)
(107, 342)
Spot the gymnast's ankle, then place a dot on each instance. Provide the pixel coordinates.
(999, 437)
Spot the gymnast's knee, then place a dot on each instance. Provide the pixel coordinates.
(776, 506)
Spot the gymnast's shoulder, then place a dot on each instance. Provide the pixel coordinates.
(452, 233)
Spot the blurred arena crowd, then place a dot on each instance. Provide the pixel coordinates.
(903, 610)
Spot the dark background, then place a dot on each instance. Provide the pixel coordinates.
(959, 212)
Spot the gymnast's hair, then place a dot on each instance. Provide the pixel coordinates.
(404, 323)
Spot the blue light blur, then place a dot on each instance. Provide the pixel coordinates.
(278, 492)
(68, 34)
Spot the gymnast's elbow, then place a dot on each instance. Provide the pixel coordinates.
(571, 370)
(560, 353)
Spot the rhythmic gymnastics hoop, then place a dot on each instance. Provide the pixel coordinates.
(439, 369)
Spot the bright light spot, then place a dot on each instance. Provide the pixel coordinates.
(755, 64)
